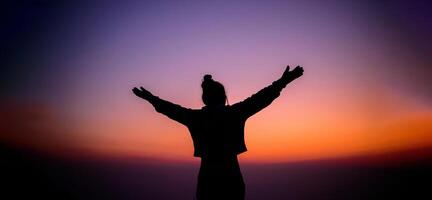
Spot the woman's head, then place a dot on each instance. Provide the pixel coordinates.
(213, 92)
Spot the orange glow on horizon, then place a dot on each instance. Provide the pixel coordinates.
(293, 128)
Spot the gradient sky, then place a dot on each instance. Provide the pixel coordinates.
(69, 68)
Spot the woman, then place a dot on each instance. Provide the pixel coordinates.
(217, 132)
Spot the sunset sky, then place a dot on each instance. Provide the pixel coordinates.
(68, 70)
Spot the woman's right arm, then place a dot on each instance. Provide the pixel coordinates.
(265, 97)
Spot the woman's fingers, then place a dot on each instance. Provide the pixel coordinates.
(136, 91)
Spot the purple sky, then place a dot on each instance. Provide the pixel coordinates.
(364, 61)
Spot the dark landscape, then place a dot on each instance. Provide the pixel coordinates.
(401, 175)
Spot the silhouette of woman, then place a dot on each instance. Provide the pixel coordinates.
(217, 132)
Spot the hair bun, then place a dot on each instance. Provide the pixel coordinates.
(208, 77)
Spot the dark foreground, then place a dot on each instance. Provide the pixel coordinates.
(36, 176)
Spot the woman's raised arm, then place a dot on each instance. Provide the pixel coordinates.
(171, 110)
(265, 97)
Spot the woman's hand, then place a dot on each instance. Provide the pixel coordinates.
(143, 93)
(293, 74)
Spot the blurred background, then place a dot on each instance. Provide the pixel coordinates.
(357, 125)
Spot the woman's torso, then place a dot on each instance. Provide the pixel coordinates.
(217, 131)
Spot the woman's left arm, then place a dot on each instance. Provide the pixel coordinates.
(171, 110)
